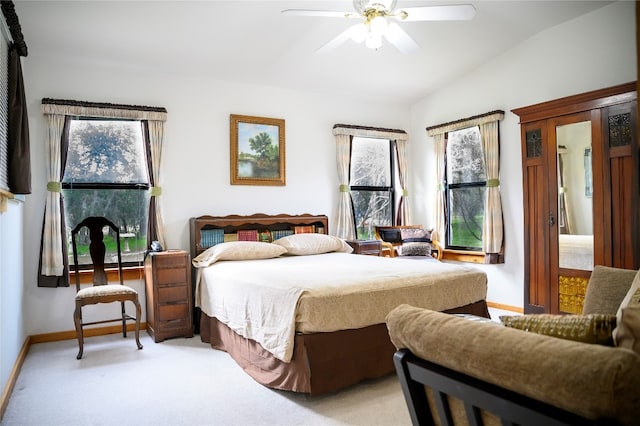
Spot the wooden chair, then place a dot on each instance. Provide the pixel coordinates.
(101, 291)
(389, 247)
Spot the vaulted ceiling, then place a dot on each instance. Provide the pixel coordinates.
(253, 42)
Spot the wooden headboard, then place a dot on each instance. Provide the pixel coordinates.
(261, 222)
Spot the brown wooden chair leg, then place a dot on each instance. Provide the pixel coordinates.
(138, 315)
(124, 320)
(77, 319)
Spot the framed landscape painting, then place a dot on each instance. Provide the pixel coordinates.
(257, 151)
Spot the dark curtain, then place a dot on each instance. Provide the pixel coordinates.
(62, 281)
(19, 152)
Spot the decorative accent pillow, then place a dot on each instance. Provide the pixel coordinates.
(237, 250)
(415, 249)
(306, 244)
(391, 235)
(627, 333)
(594, 328)
(410, 235)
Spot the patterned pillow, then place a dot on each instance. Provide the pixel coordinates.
(415, 235)
(415, 249)
(627, 333)
(594, 328)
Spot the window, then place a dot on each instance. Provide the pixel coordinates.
(106, 175)
(465, 189)
(371, 181)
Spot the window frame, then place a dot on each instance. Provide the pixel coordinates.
(391, 189)
(128, 266)
(447, 200)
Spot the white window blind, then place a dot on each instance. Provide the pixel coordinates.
(4, 110)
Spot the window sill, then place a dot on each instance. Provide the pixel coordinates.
(471, 257)
(128, 274)
(4, 196)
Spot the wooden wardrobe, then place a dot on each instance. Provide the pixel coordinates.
(581, 185)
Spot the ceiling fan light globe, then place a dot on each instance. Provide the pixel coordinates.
(373, 41)
(359, 33)
(378, 25)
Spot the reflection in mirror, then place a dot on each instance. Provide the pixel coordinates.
(575, 207)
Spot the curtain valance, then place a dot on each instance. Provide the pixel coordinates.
(476, 120)
(369, 132)
(99, 109)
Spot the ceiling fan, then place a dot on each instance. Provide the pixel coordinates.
(378, 22)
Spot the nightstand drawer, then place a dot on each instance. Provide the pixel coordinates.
(171, 276)
(167, 261)
(173, 311)
(170, 294)
(174, 324)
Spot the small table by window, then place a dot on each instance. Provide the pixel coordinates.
(368, 247)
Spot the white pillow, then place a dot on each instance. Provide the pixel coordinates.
(237, 250)
(305, 244)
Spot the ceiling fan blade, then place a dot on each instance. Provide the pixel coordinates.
(341, 38)
(323, 13)
(456, 12)
(400, 39)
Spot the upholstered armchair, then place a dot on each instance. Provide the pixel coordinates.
(407, 240)
(570, 369)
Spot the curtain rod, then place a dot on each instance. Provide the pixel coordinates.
(379, 129)
(11, 18)
(462, 120)
(101, 105)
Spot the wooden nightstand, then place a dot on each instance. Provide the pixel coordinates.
(368, 247)
(168, 293)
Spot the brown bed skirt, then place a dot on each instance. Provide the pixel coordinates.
(322, 362)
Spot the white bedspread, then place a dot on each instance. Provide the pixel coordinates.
(268, 300)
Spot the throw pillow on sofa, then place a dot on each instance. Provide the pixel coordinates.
(594, 328)
(627, 333)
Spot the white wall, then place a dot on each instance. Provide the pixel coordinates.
(591, 52)
(12, 331)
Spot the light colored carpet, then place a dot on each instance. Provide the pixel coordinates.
(176, 382)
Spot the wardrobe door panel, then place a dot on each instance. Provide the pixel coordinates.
(619, 124)
(534, 139)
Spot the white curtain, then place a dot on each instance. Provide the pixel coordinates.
(52, 256)
(156, 137)
(344, 220)
(439, 203)
(493, 228)
(404, 209)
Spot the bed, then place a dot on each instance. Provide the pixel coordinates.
(310, 319)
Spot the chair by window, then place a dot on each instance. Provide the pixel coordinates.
(101, 291)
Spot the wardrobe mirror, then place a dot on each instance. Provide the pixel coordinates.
(575, 207)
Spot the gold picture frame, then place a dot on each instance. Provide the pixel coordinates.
(257, 151)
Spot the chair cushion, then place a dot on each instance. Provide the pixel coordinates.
(390, 235)
(594, 328)
(104, 290)
(606, 289)
(627, 333)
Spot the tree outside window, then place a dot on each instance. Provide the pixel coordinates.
(371, 184)
(106, 175)
(465, 189)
